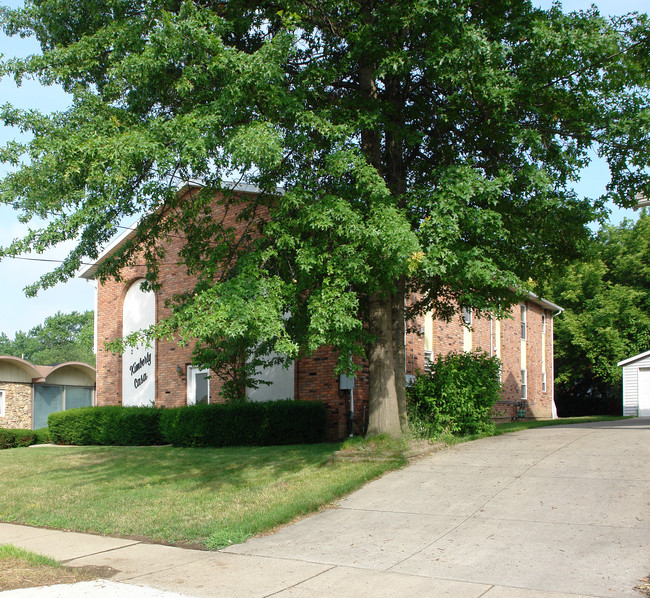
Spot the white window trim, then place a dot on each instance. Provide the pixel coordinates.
(2, 403)
(524, 384)
(544, 323)
(524, 330)
(192, 370)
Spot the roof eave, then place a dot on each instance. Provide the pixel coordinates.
(89, 271)
(545, 303)
(633, 359)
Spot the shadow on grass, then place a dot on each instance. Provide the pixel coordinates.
(189, 468)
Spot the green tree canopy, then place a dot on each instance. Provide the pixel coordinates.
(607, 318)
(62, 337)
(422, 145)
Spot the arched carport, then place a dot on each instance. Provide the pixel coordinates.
(29, 393)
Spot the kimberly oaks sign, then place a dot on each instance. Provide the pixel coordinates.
(140, 377)
(138, 363)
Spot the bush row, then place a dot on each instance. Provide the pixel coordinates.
(245, 424)
(237, 424)
(12, 438)
(112, 425)
(456, 396)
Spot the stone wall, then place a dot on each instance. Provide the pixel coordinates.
(18, 405)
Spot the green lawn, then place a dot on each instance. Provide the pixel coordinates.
(202, 497)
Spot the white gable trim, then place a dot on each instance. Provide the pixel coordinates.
(633, 359)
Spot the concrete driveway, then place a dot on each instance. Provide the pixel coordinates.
(557, 511)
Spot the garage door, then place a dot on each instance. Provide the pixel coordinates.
(644, 392)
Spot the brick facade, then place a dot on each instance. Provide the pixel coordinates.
(313, 376)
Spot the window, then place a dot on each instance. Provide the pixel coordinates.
(523, 322)
(428, 361)
(524, 384)
(50, 398)
(198, 386)
(467, 316)
(543, 381)
(78, 396)
(2, 403)
(544, 323)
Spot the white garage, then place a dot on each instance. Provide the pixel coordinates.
(636, 385)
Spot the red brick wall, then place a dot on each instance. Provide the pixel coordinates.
(314, 376)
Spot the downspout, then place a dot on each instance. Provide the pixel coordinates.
(554, 414)
(351, 412)
(491, 334)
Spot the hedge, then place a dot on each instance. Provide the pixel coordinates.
(230, 424)
(245, 424)
(112, 425)
(12, 438)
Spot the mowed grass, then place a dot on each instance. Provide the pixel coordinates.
(24, 569)
(208, 498)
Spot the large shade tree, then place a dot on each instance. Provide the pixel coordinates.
(423, 146)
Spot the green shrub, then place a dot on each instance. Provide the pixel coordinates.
(245, 424)
(42, 435)
(12, 438)
(456, 396)
(112, 425)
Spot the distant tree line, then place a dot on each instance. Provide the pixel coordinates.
(62, 337)
(607, 319)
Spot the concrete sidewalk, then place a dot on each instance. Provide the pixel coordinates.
(552, 512)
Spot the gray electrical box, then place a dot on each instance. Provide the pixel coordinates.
(345, 382)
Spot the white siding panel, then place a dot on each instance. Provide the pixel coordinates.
(644, 392)
(642, 363)
(630, 391)
(70, 376)
(631, 386)
(12, 373)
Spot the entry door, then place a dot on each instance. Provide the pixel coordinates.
(198, 386)
(644, 392)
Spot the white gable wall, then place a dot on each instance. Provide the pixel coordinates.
(644, 392)
(631, 388)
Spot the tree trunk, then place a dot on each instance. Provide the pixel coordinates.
(399, 351)
(383, 413)
(383, 410)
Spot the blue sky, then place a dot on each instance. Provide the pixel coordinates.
(20, 313)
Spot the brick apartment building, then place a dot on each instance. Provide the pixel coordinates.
(163, 375)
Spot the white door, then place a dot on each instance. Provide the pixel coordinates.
(198, 386)
(644, 392)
